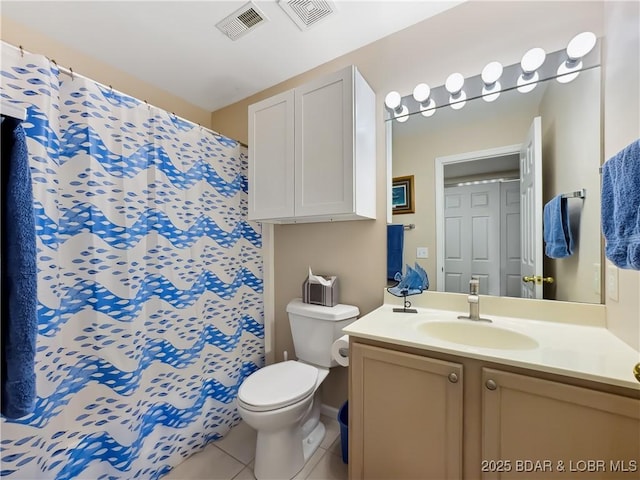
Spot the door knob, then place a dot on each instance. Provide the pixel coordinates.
(538, 279)
(636, 371)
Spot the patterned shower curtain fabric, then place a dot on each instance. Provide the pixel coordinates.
(150, 308)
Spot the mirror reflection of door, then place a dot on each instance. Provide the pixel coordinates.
(492, 218)
(472, 238)
(481, 221)
(531, 210)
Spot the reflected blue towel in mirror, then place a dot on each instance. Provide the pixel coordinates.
(557, 232)
(395, 250)
(620, 207)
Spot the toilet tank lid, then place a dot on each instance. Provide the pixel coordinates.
(335, 313)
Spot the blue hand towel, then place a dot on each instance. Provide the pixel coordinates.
(557, 231)
(620, 207)
(19, 276)
(395, 249)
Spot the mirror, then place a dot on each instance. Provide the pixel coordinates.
(468, 159)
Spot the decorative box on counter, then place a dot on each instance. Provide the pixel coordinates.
(320, 290)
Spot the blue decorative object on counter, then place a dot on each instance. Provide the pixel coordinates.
(413, 282)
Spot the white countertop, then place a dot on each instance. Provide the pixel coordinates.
(586, 352)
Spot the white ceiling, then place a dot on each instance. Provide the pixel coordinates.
(175, 45)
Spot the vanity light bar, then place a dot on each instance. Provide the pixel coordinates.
(536, 66)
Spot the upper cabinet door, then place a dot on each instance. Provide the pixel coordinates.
(271, 157)
(312, 152)
(324, 123)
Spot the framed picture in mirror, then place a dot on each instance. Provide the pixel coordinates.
(403, 199)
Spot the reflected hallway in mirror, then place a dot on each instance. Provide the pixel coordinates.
(570, 118)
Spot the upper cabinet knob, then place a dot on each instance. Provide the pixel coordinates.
(453, 378)
(491, 385)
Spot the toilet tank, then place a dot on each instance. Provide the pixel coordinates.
(315, 327)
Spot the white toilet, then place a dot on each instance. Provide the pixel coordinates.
(281, 401)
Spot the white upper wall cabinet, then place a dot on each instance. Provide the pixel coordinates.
(312, 152)
(271, 158)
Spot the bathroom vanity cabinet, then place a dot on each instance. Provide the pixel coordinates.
(420, 414)
(312, 152)
(405, 415)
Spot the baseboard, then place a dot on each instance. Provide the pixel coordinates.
(328, 411)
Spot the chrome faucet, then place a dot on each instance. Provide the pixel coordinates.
(474, 302)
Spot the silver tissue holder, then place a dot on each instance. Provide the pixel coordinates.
(318, 294)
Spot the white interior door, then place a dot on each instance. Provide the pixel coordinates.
(472, 237)
(510, 278)
(531, 210)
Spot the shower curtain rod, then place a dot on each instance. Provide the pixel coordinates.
(69, 72)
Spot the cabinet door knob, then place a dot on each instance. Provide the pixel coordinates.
(491, 385)
(636, 371)
(453, 378)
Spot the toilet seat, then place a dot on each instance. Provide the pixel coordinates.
(277, 386)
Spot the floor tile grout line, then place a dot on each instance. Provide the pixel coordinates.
(234, 457)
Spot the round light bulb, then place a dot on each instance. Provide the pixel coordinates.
(429, 109)
(581, 44)
(403, 115)
(489, 94)
(568, 71)
(421, 92)
(533, 60)
(525, 85)
(454, 83)
(491, 73)
(459, 101)
(392, 100)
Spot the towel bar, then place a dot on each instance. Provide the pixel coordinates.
(410, 226)
(577, 194)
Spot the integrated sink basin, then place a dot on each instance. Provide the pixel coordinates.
(483, 335)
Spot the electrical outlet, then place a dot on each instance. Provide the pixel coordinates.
(422, 252)
(612, 282)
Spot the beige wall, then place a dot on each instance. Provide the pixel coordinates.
(65, 56)
(453, 41)
(621, 127)
(572, 151)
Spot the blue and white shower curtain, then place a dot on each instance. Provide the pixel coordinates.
(150, 282)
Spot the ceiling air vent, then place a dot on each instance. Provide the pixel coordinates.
(240, 22)
(306, 13)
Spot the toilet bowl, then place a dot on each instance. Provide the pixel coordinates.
(278, 402)
(282, 401)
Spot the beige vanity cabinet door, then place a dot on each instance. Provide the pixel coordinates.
(539, 429)
(405, 416)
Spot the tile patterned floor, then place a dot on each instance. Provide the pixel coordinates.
(231, 458)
